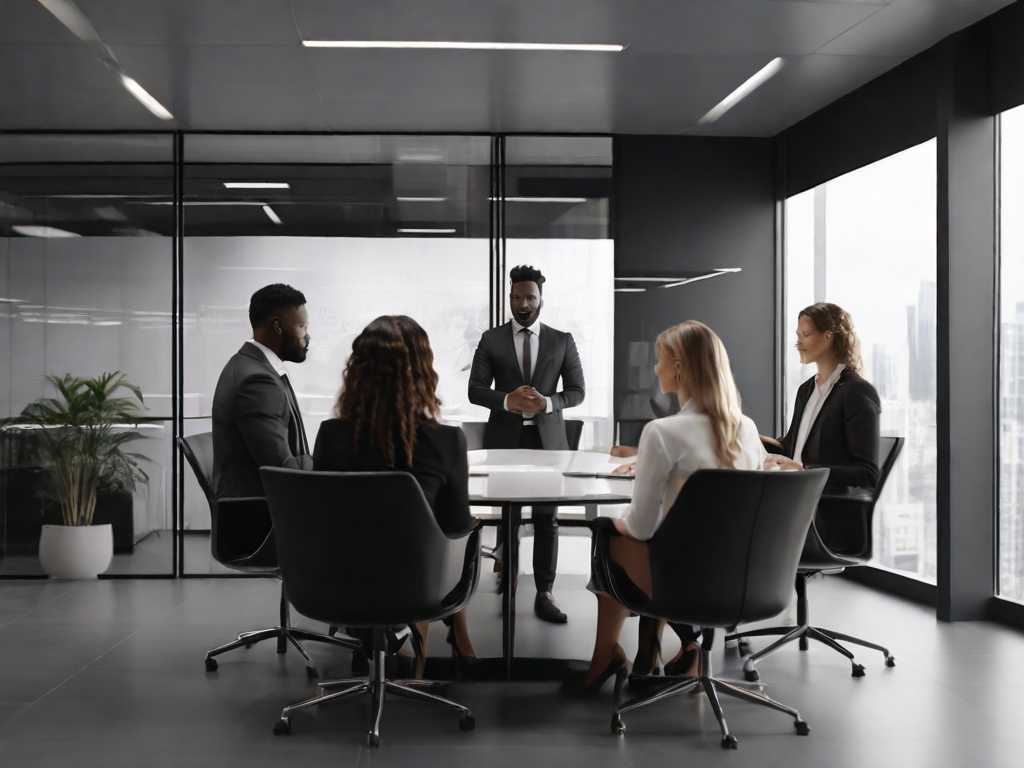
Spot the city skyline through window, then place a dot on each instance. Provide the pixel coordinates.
(1011, 357)
(866, 241)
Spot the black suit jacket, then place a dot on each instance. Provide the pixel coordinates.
(254, 425)
(439, 464)
(496, 362)
(844, 436)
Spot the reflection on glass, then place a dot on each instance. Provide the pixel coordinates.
(866, 241)
(85, 288)
(1011, 358)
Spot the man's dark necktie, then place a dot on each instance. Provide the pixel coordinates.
(303, 446)
(527, 361)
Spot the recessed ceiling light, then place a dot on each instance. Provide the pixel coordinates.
(143, 96)
(571, 200)
(462, 46)
(421, 199)
(407, 231)
(630, 290)
(257, 185)
(271, 215)
(751, 85)
(29, 230)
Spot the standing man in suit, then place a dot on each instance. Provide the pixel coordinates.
(524, 359)
(256, 419)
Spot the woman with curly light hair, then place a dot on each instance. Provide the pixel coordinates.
(836, 415)
(387, 419)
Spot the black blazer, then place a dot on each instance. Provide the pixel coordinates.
(439, 464)
(844, 436)
(495, 361)
(254, 425)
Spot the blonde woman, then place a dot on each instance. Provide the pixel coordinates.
(709, 432)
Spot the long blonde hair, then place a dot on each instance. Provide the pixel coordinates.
(706, 377)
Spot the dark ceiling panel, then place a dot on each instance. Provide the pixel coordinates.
(26, 21)
(192, 22)
(909, 26)
(257, 88)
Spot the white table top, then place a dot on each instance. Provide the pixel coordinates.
(541, 474)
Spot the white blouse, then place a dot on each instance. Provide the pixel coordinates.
(671, 449)
(811, 410)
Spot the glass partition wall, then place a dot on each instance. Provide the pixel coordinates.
(86, 236)
(93, 279)
(866, 241)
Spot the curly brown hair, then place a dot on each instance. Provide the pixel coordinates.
(845, 343)
(389, 387)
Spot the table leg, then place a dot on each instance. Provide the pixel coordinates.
(511, 515)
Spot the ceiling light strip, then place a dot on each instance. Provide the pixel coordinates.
(464, 46)
(272, 215)
(752, 84)
(408, 231)
(257, 185)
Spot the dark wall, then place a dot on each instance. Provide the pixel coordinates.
(699, 203)
(1007, 30)
(891, 113)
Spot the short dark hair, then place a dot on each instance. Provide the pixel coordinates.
(271, 298)
(526, 274)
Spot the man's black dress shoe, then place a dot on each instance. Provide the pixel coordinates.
(546, 610)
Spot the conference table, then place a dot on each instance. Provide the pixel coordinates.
(514, 479)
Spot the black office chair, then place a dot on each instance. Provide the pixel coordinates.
(726, 552)
(840, 537)
(474, 431)
(241, 513)
(363, 549)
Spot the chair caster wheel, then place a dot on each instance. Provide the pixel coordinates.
(744, 647)
(332, 631)
(802, 728)
(751, 675)
(467, 722)
(311, 673)
(890, 661)
(729, 742)
(211, 664)
(618, 727)
(373, 739)
(858, 670)
(283, 727)
(250, 645)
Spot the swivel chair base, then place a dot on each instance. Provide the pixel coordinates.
(376, 684)
(804, 632)
(711, 686)
(285, 633)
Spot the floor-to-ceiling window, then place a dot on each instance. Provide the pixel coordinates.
(866, 241)
(1011, 357)
(86, 232)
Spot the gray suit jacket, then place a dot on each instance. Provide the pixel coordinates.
(495, 361)
(254, 425)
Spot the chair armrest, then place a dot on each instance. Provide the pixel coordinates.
(849, 495)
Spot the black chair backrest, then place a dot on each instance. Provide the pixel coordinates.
(889, 448)
(364, 548)
(846, 525)
(474, 431)
(728, 549)
(573, 433)
(198, 452)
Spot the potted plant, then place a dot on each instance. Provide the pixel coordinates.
(82, 433)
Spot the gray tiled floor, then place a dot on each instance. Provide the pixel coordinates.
(109, 673)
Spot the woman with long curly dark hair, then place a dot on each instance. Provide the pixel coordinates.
(836, 415)
(387, 419)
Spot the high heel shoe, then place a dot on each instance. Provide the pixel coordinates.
(467, 668)
(687, 664)
(648, 651)
(615, 666)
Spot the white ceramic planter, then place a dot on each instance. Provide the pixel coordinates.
(76, 551)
